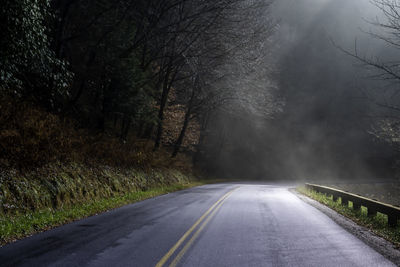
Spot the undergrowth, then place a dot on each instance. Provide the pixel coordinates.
(61, 185)
(31, 137)
(53, 171)
(378, 224)
(17, 226)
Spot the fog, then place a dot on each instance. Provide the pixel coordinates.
(323, 129)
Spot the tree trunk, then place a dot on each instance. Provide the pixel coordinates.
(82, 85)
(163, 103)
(203, 129)
(64, 9)
(179, 142)
(148, 132)
(126, 124)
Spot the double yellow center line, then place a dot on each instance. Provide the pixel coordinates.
(202, 221)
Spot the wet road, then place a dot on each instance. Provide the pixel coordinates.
(212, 225)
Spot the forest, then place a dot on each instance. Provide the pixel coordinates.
(199, 132)
(99, 98)
(105, 103)
(127, 70)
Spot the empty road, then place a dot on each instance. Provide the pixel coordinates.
(213, 225)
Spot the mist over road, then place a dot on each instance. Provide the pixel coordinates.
(249, 224)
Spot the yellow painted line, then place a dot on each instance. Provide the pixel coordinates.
(188, 232)
(195, 235)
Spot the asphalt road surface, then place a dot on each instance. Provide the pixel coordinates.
(212, 225)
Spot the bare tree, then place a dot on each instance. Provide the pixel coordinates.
(239, 80)
(386, 121)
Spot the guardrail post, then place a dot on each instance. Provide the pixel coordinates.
(345, 201)
(392, 220)
(356, 205)
(373, 206)
(371, 212)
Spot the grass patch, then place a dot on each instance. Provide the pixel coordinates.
(377, 224)
(14, 227)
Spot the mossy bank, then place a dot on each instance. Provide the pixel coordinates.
(58, 193)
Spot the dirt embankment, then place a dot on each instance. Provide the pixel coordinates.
(59, 186)
(48, 161)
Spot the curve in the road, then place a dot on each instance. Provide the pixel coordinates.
(213, 225)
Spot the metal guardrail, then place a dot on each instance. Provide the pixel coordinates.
(373, 206)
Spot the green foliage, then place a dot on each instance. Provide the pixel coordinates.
(24, 224)
(62, 185)
(27, 65)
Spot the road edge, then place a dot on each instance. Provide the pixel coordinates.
(379, 244)
(96, 207)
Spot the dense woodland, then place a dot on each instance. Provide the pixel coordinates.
(108, 102)
(142, 82)
(74, 73)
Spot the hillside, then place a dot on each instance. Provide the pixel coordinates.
(49, 165)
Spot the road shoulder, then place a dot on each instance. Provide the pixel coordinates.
(384, 247)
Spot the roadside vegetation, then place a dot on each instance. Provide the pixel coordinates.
(378, 224)
(107, 103)
(13, 227)
(53, 172)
